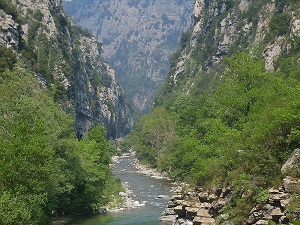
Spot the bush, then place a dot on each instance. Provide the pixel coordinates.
(280, 23)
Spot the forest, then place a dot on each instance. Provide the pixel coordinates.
(238, 131)
(44, 170)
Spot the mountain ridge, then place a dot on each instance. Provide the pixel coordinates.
(137, 37)
(70, 62)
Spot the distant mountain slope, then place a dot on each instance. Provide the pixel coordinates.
(67, 59)
(138, 38)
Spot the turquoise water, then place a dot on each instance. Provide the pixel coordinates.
(144, 188)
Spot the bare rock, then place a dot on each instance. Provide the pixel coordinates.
(276, 214)
(293, 162)
(203, 213)
(291, 185)
(180, 211)
(262, 222)
(191, 212)
(168, 218)
(202, 220)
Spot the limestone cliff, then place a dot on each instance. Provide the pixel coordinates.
(266, 29)
(138, 38)
(67, 59)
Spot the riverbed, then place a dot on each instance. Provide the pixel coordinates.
(149, 194)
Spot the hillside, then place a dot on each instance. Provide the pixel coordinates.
(68, 60)
(138, 38)
(227, 116)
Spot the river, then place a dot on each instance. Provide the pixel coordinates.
(145, 189)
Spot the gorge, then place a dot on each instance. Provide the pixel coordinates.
(225, 119)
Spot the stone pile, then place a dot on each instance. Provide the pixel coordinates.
(196, 207)
(276, 205)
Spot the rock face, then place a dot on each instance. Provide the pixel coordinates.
(196, 207)
(276, 206)
(9, 32)
(221, 28)
(138, 38)
(293, 163)
(68, 59)
(204, 207)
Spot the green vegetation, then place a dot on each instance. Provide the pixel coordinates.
(238, 131)
(7, 7)
(7, 59)
(43, 167)
(280, 23)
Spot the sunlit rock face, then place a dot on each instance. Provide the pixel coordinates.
(138, 38)
(68, 61)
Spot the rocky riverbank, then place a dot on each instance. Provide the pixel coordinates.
(204, 207)
(195, 206)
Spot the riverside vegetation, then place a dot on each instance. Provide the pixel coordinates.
(232, 123)
(44, 170)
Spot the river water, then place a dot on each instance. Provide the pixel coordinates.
(144, 190)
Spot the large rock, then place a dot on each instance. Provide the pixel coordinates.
(203, 213)
(291, 185)
(203, 220)
(276, 214)
(9, 33)
(180, 211)
(293, 162)
(87, 85)
(191, 212)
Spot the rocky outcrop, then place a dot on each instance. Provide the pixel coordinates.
(276, 206)
(196, 207)
(138, 38)
(221, 28)
(199, 207)
(69, 60)
(205, 207)
(293, 163)
(9, 32)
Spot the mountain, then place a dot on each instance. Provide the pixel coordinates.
(53, 80)
(138, 38)
(67, 60)
(227, 117)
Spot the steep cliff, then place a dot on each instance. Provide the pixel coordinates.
(220, 28)
(67, 59)
(227, 116)
(138, 38)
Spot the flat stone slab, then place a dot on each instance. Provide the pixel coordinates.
(202, 220)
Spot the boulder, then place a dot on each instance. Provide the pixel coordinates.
(176, 197)
(180, 211)
(168, 218)
(172, 204)
(262, 222)
(291, 185)
(255, 217)
(205, 205)
(203, 213)
(203, 220)
(276, 214)
(292, 163)
(203, 196)
(284, 220)
(211, 198)
(191, 212)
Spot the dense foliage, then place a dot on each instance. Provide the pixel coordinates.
(44, 169)
(238, 132)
